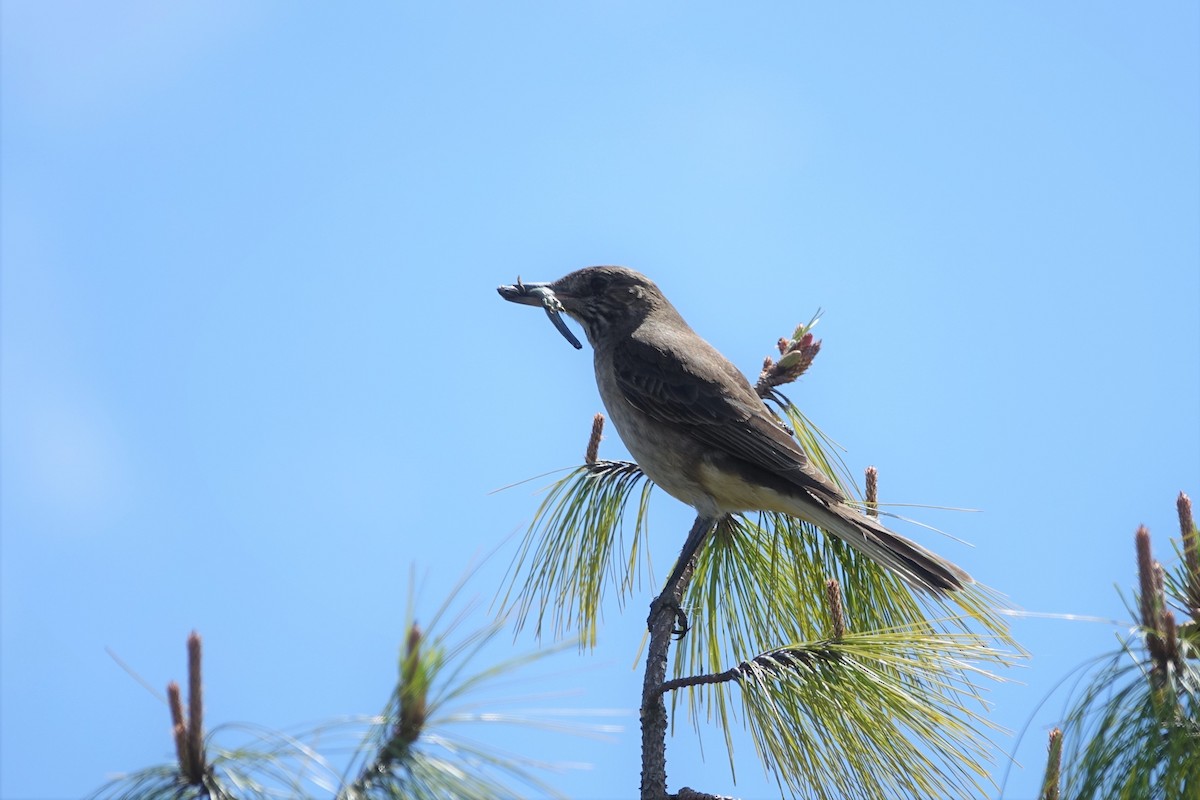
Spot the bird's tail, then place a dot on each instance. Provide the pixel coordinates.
(916, 566)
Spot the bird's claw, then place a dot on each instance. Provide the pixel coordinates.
(680, 626)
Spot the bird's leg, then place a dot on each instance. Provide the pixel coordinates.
(672, 594)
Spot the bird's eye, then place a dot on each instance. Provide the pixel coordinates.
(599, 283)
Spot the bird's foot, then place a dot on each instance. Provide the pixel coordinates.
(668, 602)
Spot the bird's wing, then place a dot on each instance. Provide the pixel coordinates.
(718, 408)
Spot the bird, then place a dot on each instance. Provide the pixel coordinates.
(697, 428)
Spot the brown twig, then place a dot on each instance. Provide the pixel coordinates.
(188, 732)
(1150, 593)
(731, 674)
(1191, 553)
(179, 728)
(195, 740)
(593, 447)
(773, 661)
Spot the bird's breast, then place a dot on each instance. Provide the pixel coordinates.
(668, 456)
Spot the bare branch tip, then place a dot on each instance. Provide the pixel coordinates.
(175, 703)
(178, 727)
(1191, 540)
(1152, 601)
(1145, 565)
(593, 448)
(195, 723)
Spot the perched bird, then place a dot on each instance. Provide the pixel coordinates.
(698, 429)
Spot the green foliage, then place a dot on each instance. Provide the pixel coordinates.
(890, 713)
(1134, 731)
(1131, 736)
(757, 582)
(759, 585)
(416, 749)
(575, 548)
(1053, 778)
(270, 766)
(897, 711)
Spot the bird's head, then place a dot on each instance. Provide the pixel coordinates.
(606, 301)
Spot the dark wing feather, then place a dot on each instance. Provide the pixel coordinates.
(719, 409)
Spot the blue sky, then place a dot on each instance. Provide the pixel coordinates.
(254, 367)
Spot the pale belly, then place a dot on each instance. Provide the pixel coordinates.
(679, 465)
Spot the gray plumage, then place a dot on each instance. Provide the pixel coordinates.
(697, 428)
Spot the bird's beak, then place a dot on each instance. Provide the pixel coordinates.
(540, 294)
